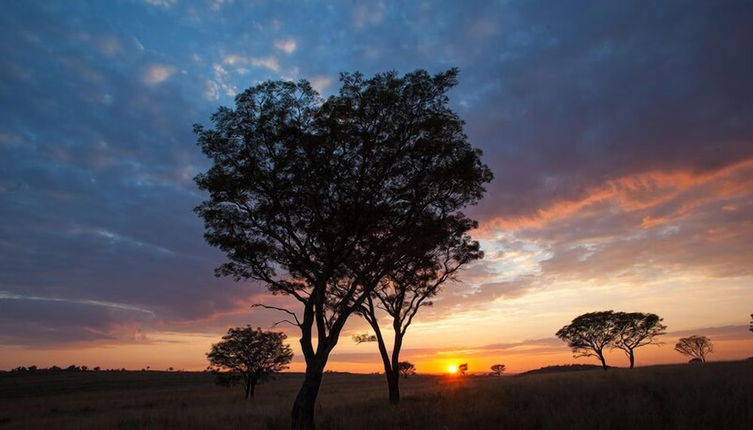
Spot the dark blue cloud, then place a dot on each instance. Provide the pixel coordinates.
(97, 101)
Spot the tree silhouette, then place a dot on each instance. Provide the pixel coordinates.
(410, 287)
(363, 338)
(248, 356)
(696, 347)
(498, 369)
(588, 334)
(406, 368)
(750, 327)
(321, 199)
(636, 329)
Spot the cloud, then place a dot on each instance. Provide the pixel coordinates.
(287, 46)
(320, 83)
(269, 62)
(162, 3)
(156, 74)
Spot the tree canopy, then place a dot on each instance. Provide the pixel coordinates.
(589, 334)
(697, 347)
(636, 329)
(249, 356)
(498, 369)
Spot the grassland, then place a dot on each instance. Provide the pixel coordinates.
(711, 396)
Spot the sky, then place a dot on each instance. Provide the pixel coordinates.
(620, 135)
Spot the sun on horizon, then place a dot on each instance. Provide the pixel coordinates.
(452, 369)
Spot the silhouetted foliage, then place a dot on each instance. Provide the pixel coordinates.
(321, 199)
(248, 356)
(696, 347)
(406, 368)
(636, 329)
(463, 368)
(588, 335)
(364, 338)
(498, 369)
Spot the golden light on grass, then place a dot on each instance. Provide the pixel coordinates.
(452, 369)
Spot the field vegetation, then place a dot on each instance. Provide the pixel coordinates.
(688, 396)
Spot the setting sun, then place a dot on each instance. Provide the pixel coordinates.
(452, 368)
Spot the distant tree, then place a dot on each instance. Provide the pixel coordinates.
(55, 368)
(170, 369)
(406, 368)
(411, 286)
(498, 369)
(636, 329)
(321, 199)
(588, 335)
(750, 327)
(463, 368)
(249, 356)
(697, 347)
(363, 338)
(97, 368)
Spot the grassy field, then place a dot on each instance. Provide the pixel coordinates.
(715, 395)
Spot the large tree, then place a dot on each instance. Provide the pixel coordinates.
(249, 356)
(636, 329)
(697, 347)
(322, 199)
(589, 334)
(410, 287)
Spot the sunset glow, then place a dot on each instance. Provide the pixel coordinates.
(452, 368)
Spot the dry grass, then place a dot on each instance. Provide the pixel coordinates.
(716, 395)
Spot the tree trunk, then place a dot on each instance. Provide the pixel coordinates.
(391, 371)
(603, 362)
(632, 358)
(393, 385)
(303, 406)
(248, 389)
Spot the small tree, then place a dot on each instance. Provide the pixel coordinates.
(412, 285)
(588, 335)
(636, 329)
(498, 369)
(697, 347)
(249, 356)
(406, 368)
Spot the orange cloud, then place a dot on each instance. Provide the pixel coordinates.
(641, 192)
